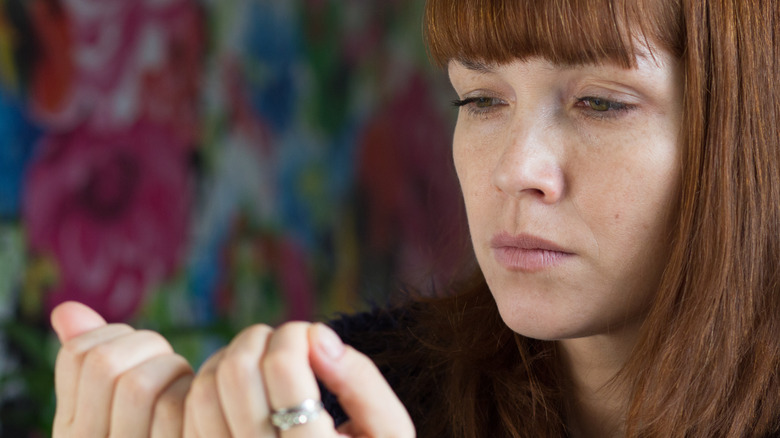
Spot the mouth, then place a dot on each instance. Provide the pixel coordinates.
(527, 253)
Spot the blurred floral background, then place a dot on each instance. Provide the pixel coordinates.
(196, 166)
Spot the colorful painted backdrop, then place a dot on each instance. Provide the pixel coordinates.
(198, 166)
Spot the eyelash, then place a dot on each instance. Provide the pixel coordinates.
(614, 107)
(475, 110)
(586, 103)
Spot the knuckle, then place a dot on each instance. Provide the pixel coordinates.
(120, 326)
(277, 363)
(183, 364)
(283, 352)
(84, 341)
(104, 360)
(154, 338)
(255, 335)
(257, 330)
(72, 349)
(294, 325)
(137, 386)
(234, 368)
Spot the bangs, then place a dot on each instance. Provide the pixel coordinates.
(567, 32)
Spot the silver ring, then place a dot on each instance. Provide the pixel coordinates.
(297, 415)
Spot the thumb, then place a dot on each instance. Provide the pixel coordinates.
(372, 406)
(71, 319)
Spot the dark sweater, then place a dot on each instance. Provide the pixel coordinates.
(380, 333)
(368, 332)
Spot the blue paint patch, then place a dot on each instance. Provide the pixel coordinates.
(271, 47)
(18, 136)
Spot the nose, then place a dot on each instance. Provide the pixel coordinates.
(530, 165)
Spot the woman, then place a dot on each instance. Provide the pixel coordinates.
(620, 167)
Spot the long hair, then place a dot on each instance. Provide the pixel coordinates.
(708, 357)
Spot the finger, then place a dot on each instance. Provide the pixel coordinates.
(362, 391)
(102, 366)
(203, 412)
(168, 416)
(69, 364)
(189, 427)
(240, 384)
(289, 379)
(189, 424)
(71, 319)
(137, 392)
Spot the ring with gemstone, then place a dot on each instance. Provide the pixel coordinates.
(304, 413)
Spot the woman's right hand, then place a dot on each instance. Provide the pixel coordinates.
(237, 389)
(114, 381)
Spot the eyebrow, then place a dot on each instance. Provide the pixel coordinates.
(476, 66)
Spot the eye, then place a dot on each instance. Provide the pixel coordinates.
(478, 105)
(484, 102)
(602, 105)
(601, 108)
(479, 102)
(597, 104)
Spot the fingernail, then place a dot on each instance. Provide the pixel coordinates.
(329, 342)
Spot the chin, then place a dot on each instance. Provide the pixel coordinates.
(545, 333)
(545, 326)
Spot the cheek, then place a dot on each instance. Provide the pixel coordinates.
(459, 159)
(471, 167)
(634, 207)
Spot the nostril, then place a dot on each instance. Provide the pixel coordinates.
(538, 192)
(524, 182)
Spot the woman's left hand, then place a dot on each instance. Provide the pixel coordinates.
(112, 380)
(262, 370)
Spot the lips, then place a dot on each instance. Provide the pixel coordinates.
(527, 253)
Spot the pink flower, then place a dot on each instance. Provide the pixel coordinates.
(112, 210)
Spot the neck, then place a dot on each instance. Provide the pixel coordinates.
(600, 400)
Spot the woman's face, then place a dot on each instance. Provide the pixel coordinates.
(570, 176)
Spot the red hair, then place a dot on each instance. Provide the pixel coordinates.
(708, 357)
